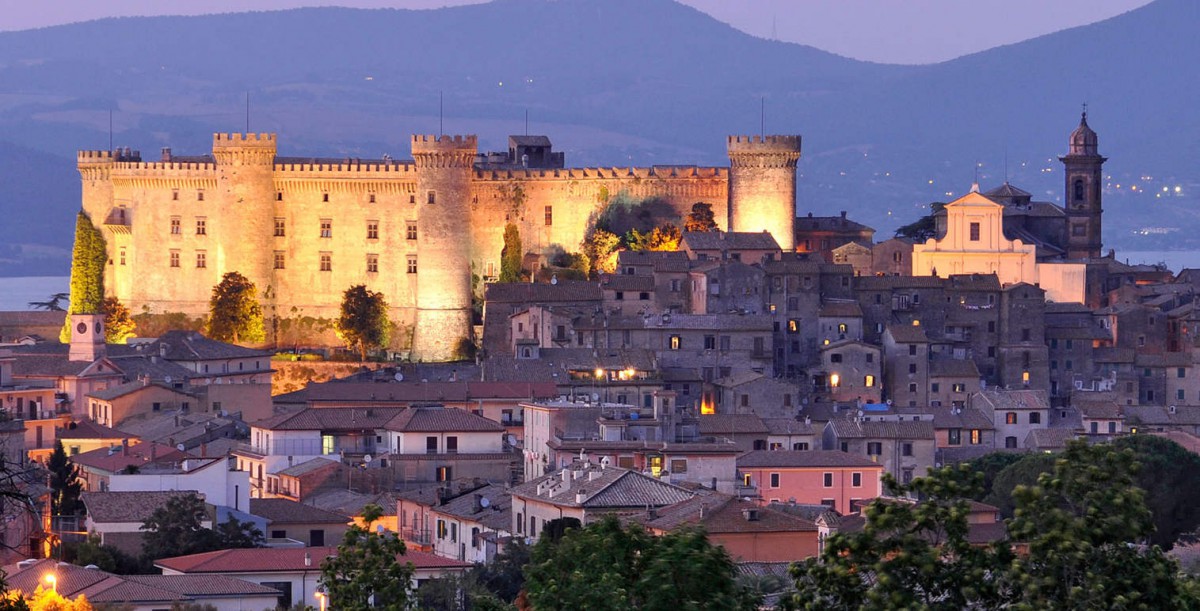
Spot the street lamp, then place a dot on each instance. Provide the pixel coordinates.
(53, 581)
(321, 598)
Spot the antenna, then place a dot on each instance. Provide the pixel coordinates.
(762, 116)
(441, 115)
(526, 121)
(774, 32)
(1006, 164)
(1085, 111)
(247, 112)
(110, 130)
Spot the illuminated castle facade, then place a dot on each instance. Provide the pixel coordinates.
(305, 230)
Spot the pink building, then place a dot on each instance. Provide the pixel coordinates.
(812, 477)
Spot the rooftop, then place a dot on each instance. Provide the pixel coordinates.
(107, 507)
(284, 511)
(804, 458)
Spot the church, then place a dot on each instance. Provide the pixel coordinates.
(1003, 231)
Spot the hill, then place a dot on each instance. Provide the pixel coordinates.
(613, 82)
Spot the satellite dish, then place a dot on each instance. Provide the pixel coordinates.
(168, 379)
(484, 502)
(367, 459)
(595, 396)
(379, 528)
(512, 440)
(399, 376)
(180, 447)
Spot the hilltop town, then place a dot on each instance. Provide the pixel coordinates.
(643, 349)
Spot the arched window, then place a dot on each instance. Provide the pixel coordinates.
(1079, 189)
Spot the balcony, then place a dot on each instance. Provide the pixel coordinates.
(417, 536)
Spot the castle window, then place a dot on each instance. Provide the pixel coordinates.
(201, 259)
(372, 264)
(1079, 229)
(410, 231)
(199, 196)
(325, 197)
(412, 199)
(123, 263)
(201, 226)
(326, 262)
(974, 232)
(279, 196)
(371, 198)
(1079, 189)
(412, 264)
(174, 195)
(280, 227)
(372, 230)
(549, 215)
(676, 342)
(327, 228)
(174, 258)
(279, 259)
(432, 197)
(176, 227)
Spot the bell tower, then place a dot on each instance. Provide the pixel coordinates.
(1083, 167)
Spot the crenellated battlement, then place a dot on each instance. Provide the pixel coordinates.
(764, 144)
(94, 156)
(597, 173)
(351, 169)
(239, 139)
(431, 142)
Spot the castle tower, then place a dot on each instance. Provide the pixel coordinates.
(87, 337)
(1083, 167)
(762, 185)
(444, 166)
(245, 199)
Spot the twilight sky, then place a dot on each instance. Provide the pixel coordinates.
(892, 31)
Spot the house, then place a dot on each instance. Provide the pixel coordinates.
(98, 466)
(118, 516)
(706, 461)
(746, 430)
(212, 478)
(35, 403)
(142, 592)
(791, 434)
(962, 433)
(851, 370)
(744, 392)
(83, 436)
(906, 362)
(810, 477)
(747, 247)
(292, 572)
(301, 481)
(465, 519)
(1103, 418)
(905, 449)
(1014, 413)
(287, 519)
(587, 492)
(826, 234)
(747, 530)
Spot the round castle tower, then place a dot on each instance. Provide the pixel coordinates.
(444, 167)
(246, 198)
(762, 185)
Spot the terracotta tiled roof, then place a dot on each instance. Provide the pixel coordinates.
(527, 293)
(907, 334)
(788, 426)
(106, 507)
(1105, 409)
(731, 424)
(425, 392)
(87, 429)
(601, 488)
(840, 309)
(120, 456)
(1015, 399)
(129, 388)
(308, 466)
(191, 346)
(965, 418)
(947, 367)
(202, 586)
(884, 283)
(331, 418)
(720, 513)
(284, 511)
(804, 458)
(280, 559)
(438, 419)
(845, 428)
(661, 261)
(1049, 439)
(729, 240)
(626, 282)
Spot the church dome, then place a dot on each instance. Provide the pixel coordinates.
(1083, 139)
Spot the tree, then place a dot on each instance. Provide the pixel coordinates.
(990, 465)
(363, 322)
(88, 259)
(118, 322)
(609, 567)
(234, 313)
(511, 255)
(504, 576)
(601, 249)
(909, 555)
(1170, 475)
(1085, 525)
(64, 483)
(367, 568)
(233, 534)
(1024, 472)
(665, 237)
(923, 228)
(54, 304)
(701, 218)
(176, 529)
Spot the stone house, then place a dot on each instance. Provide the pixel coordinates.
(851, 370)
(813, 477)
(854, 254)
(1014, 413)
(746, 430)
(952, 381)
(1101, 418)
(670, 272)
(748, 531)
(906, 365)
(747, 247)
(288, 519)
(792, 434)
(825, 234)
(905, 449)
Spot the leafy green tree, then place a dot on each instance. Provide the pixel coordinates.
(990, 465)
(107, 557)
(118, 321)
(1085, 524)
(665, 237)
(504, 576)
(88, 259)
(54, 304)
(701, 218)
(64, 483)
(917, 554)
(608, 567)
(600, 247)
(363, 322)
(367, 568)
(511, 255)
(1170, 475)
(234, 313)
(1024, 472)
(233, 533)
(176, 529)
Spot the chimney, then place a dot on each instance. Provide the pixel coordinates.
(581, 496)
(843, 214)
(125, 447)
(750, 514)
(307, 559)
(166, 154)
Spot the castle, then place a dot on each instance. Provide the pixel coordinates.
(304, 230)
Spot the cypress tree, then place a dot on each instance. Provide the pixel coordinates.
(64, 483)
(87, 272)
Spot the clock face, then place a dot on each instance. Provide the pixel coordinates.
(81, 327)
(97, 326)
